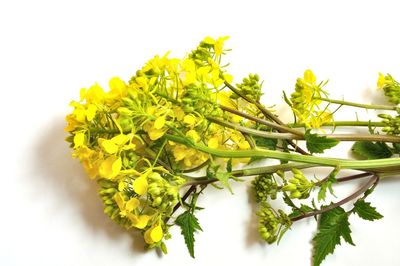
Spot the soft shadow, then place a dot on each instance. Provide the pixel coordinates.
(66, 177)
(252, 237)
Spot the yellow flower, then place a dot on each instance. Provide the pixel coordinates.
(140, 184)
(244, 145)
(152, 131)
(188, 72)
(125, 206)
(178, 113)
(190, 120)
(79, 139)
(110, 167)
(159, 123)
(140, 221)
(91, 112)
(95, 94)
(113, 145)
(89, 160)
(193, 135)
(213, 142)
(219, 45)
(153, 234)
(117, 87)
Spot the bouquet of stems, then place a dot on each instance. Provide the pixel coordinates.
(156, 142)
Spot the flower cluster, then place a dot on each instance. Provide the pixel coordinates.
(271, 223)
(121, 135)
(392, 124)
(264, 187)
(298, 186)
(390, 86)
(306, 104)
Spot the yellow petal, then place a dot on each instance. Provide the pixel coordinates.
(140, 185)
(91, 112)
(147, 237)
(119, 199)
(156, 233)
(109, 146)
(139, 222)
(120, 139)
(159, 123)
(309, 76)
(189, 119)
(213, 143)
(110, 167)
(155, 134)
(179, 113)
(132, 204)
(79, 139)
(244, 145)
(209, 40)
(381, 81)
(193, 135)
(117, 86)
(228, 78)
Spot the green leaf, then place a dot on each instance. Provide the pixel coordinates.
(229, 165)
(333, 226)
(366, 211)
(266, 143)
(327, 185)
(372, 150)
(224, 178)
(396, 147)
(317, 144)
(189, 225)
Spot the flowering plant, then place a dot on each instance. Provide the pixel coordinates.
(143, 139)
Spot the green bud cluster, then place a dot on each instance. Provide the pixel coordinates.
(107, 191)
(391, 88)
(392, 124)
(264, 186)
(298, 186)
(251, 87)
(270, 222)
(163, 194)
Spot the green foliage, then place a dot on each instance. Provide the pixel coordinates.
(366, 211)
(327, 185)
(333, 226)
(265, 143)
(318, 144)
(189, 225)
(372, 150)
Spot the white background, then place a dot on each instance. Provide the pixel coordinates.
(50, 212)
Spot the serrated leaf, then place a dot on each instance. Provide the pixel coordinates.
(224, 177)
(333, 226)
(266, 143)
(189, 225)
(365, 211)
(318, 144)
(372, 150)
(327, 185)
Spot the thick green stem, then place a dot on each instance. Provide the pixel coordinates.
(290, 136)
(377, 164)
(366, 106)
(344, 124)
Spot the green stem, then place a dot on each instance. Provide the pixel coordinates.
(376, 164)
(366, 106)
(281, 128)
(274, 135)
(344, 124)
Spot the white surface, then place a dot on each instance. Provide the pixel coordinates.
(51, 214)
